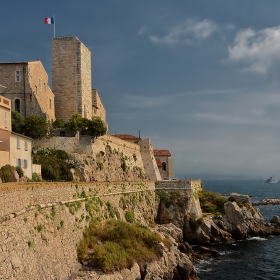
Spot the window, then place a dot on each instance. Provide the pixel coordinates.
(50, 104)
(17, 105)
(18, 162)
(40, 83)
(22, 162)
(164, 166)
(6, 119)
(25, 145)
(18, 143)
(17, 77)
(25, 164)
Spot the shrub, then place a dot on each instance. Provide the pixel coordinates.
(19, 171)
(211, 202)
(7, 173)
(118, 245)
(54, 165)
(130, 216)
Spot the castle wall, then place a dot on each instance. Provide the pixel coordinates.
(108, 158)
(39, 242)
(71, 78)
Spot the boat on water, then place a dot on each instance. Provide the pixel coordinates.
(271, 180)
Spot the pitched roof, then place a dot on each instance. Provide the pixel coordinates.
(162, 153)
(159, 163)
(126, 137)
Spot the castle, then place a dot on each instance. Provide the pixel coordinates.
(26, 85)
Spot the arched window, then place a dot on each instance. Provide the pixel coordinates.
(164, 166)
(17, 105)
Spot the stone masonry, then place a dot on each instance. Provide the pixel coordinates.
(71, 78)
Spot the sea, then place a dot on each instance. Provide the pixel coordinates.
(256, 258)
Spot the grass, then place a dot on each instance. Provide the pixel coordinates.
(211, 202)
(116, 245)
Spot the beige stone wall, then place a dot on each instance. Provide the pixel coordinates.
(189, 186)
(39, 232)
(71, 78)
(98, 109)
(31, 88)
(108, 158)
(148, 159)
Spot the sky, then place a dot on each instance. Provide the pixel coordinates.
(200, 78)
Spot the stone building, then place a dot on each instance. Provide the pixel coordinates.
(165, 163)
(72, 81)
(26, 85)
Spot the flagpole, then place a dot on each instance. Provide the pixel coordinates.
(53, 26)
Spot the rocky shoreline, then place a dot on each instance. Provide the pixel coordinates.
(267, 201)
(241, 220)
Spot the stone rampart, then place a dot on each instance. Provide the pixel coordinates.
(189, 186)
(107, 158)
(42, 223)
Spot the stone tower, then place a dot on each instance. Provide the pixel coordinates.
(71, 78)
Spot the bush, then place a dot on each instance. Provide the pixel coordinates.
(211, 202)
(7, 173)
(19, 171)
(36, 177)
(54, 165)
(117, 245)
(130, 216)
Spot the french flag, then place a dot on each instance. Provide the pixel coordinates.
(49, 20)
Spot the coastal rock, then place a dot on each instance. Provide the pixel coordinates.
(275, 220)
(268, 201)
(173, 264)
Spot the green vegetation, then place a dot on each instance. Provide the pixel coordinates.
(129, 216)
(117, 245)
(54, 164)
(30, 243)
(19, 171)
(94, 127)
(17, 122)
(7, 173)
(58, 123)
(211, 202)
(36, 127)
(169, 198)
(35, 178)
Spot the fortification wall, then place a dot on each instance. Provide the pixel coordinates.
(40, 231)
(189, 186)
(108, 158)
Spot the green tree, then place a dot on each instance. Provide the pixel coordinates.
(17, 122)
(58, 123)
(36, 127)
(94, 127)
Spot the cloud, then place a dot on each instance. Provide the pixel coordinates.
(258, 51)
(187, 32)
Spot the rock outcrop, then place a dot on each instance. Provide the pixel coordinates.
(173, 263)
(241, 221)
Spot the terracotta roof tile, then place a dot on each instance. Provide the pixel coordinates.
(159, 163)
(162, 153)
(126, 136)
